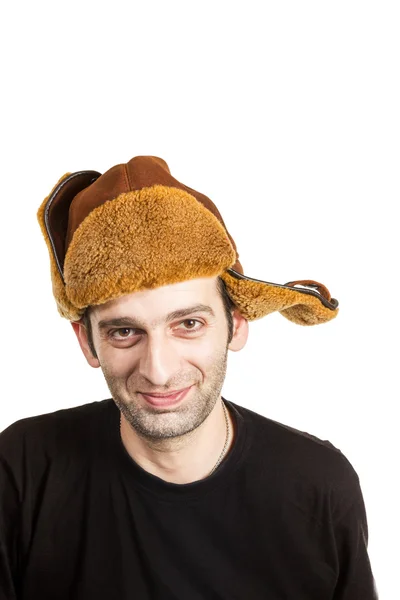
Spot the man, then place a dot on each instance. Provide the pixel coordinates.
(167, 490)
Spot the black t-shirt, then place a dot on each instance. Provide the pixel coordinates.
(281, 518)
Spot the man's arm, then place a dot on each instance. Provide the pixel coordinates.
(9, 533)
(355, 581)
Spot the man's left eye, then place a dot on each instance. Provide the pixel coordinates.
(192, 321)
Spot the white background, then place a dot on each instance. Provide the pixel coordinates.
(286, 114)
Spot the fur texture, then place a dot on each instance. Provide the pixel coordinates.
(156, 236)
(257, 299)
(141, 240)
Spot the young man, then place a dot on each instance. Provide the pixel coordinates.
(167, 491)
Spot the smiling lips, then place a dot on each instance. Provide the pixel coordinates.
(165, 399)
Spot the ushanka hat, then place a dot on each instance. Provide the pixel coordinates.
(136, 227)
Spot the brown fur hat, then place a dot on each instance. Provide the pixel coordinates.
(136, 227)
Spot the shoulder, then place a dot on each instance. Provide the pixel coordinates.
(300, 458)
(32, 435)
(64, 415)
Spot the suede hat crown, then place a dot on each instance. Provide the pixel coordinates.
(136, 227)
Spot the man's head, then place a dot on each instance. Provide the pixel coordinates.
(164, 339)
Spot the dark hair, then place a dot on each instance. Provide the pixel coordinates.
(229, 306)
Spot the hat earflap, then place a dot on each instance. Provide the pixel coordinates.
(64, 306)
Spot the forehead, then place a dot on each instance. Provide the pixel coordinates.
(153, 305)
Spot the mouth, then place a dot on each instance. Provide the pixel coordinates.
(166, 399)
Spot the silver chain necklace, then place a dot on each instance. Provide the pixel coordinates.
(226, 441)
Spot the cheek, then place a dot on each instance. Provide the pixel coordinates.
(205, 355)
(116, 362)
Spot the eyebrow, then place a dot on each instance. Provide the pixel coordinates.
(175, 314)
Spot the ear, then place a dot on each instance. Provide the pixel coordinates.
(81, 334)
(240, 331)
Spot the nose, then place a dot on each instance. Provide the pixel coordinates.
(160, 360)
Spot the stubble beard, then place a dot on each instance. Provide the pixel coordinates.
(155, 424)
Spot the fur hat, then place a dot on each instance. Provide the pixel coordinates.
(136, 227)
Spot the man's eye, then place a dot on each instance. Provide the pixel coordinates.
(121, 334)
(126, 333)
(192, 322)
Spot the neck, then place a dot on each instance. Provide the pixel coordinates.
(188, 459)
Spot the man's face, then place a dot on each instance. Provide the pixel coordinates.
(142, 347)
